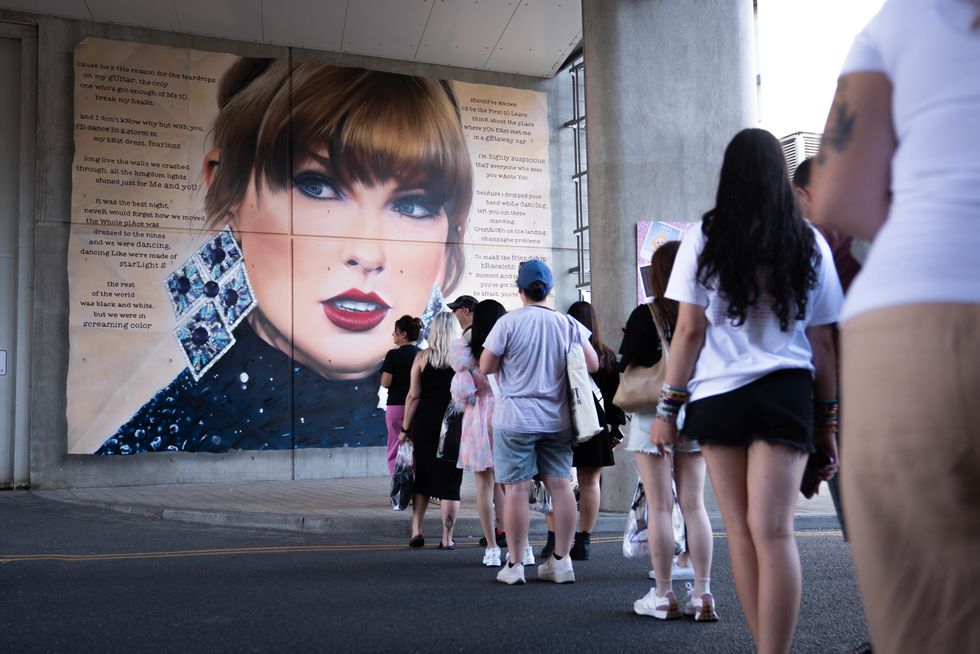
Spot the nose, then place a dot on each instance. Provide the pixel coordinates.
(365, 254)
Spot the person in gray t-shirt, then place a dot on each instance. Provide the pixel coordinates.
(527, 349)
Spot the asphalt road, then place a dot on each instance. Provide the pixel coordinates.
(76, 579)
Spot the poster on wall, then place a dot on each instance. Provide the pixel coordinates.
(245, 233)
(650, 235)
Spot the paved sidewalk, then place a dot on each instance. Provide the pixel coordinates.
(354, 506)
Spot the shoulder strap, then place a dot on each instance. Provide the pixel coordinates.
(660, 330)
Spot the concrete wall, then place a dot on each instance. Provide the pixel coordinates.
(667, 86)
(50, 465)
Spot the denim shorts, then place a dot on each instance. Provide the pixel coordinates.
(519, 456)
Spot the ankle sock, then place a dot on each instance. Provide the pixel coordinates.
(702, 586)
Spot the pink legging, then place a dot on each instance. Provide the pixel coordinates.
(394, 414)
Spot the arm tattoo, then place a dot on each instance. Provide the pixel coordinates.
(840, 128)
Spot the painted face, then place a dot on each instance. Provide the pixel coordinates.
(361, 257)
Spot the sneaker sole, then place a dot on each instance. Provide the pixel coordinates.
(673, 613)
(560, 578)
(512, 582)
(706, 614)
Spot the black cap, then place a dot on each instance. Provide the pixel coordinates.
(464, 301)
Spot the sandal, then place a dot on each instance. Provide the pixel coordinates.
(417, 541)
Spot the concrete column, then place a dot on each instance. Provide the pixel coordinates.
(667, 86)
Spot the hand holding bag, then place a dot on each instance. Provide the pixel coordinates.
(585, 420)
(639, 386)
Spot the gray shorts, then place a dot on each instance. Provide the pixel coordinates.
(519, 456)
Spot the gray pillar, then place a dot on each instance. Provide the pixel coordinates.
(667, 85)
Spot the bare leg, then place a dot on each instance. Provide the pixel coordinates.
(774, 473)
(419, 504)
(498, 503)
(655, 473)
(449, 510)
(516, 516)
(484, 503)
(562, 511)
(689, 471)
(589, 494)
(728, 468)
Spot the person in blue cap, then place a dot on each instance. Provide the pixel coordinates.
(532, 424)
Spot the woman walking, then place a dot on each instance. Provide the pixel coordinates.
(649, 327)
(396, 376)
(428, 397)
(472, 395)
(753, 358)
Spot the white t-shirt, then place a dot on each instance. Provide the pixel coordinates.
(735, 356)
(532, 343)
(929, 248)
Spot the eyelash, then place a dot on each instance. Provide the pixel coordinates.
(313, 185)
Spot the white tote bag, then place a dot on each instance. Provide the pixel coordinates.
(585, 420)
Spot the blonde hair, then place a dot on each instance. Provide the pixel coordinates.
(444, 330)
(373, 126)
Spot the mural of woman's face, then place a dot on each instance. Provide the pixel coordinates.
(360, 258)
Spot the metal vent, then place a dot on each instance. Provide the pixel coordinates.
(799, 146)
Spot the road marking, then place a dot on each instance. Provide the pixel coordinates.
(121, 556)
(285, 549)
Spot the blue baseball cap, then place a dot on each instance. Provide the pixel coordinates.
(532, 271)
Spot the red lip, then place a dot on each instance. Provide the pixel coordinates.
(355, 310)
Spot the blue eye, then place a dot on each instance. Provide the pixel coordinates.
(415, 206)
(317, 186)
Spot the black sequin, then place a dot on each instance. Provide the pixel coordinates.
(280, 404)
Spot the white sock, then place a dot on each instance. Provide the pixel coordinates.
(701, 586)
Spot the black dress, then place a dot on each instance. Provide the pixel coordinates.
(434, 477)
(597, 452)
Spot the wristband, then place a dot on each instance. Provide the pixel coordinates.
(404, 430)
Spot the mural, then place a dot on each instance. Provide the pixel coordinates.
(245, 232)
(650, 235)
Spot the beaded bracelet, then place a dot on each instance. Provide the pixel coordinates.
(826, 413)
(672, 398)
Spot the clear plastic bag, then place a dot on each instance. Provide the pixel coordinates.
(635, 543)
(539, 499)
(403, 479)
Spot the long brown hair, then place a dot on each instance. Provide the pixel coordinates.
(660, 267)
(585, 314)
(373, 126)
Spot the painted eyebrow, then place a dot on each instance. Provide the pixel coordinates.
(401, 188)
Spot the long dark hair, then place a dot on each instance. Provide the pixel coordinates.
(660, 267)
(757, 247)
(585, 314)
(485, 316)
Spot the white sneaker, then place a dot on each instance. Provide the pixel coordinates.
(491, 557)
(560, 572)
(702, 608)
(682, 573)
(662, 608)
(528, 555)
(511, 574)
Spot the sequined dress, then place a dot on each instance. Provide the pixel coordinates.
(473, 396)
(254, 398)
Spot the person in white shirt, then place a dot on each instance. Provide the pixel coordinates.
(900, 164)
(753, 359)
